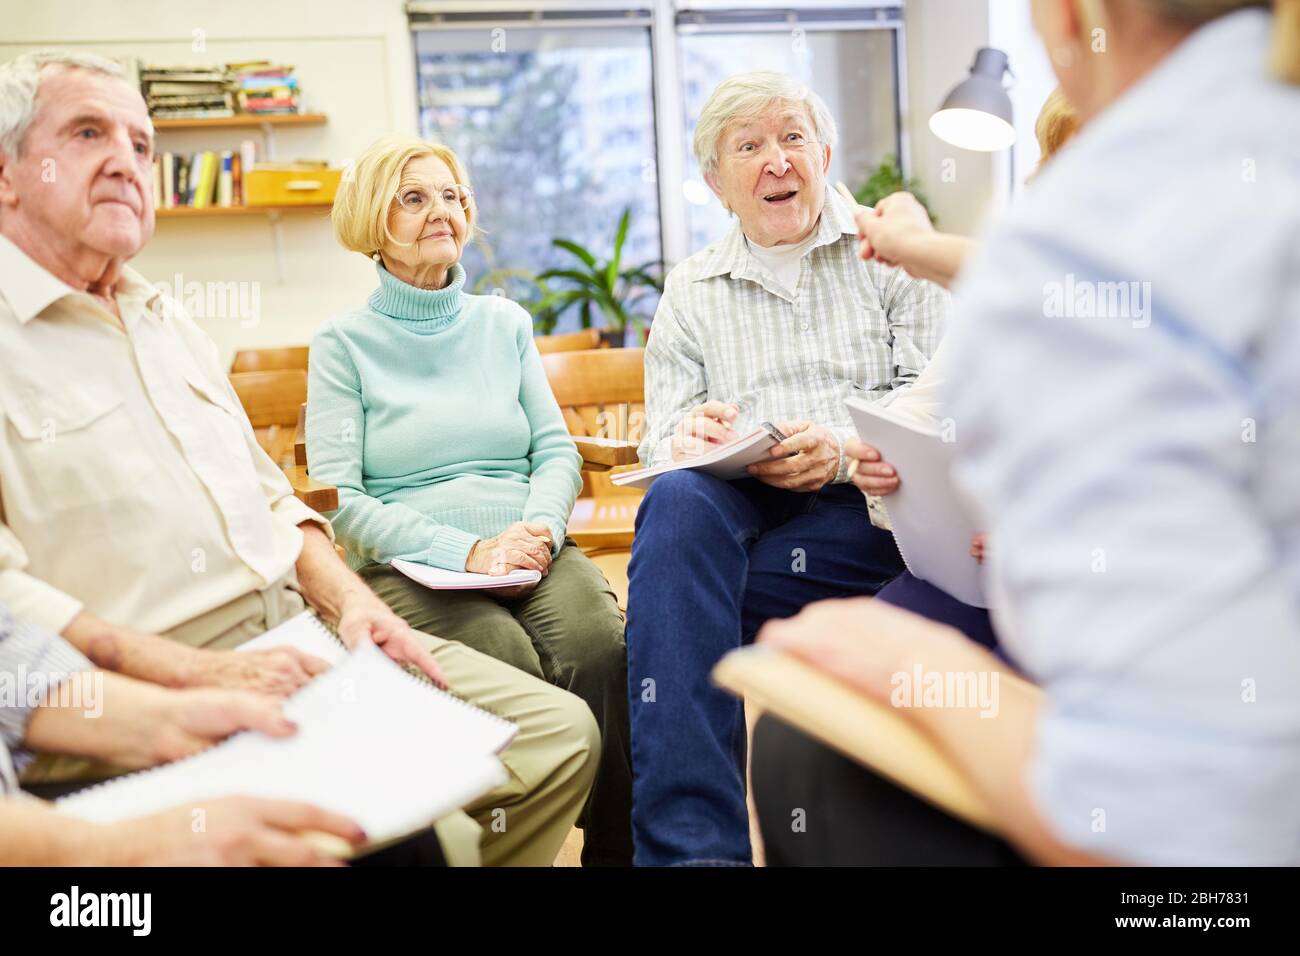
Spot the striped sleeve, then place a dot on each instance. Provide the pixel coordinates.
(32, 660)
(674, 380)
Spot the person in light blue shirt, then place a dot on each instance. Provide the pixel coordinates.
(1126, 393)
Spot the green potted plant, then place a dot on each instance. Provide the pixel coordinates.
(596, 285)
(888, 178)
(523, 287)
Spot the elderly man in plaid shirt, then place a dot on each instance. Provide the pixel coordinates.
(779, 321)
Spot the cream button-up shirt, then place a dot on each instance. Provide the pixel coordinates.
(131, 484)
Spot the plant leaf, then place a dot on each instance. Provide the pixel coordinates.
(573, 275)
(620, 236)
(577, 250)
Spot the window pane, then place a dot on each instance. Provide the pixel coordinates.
(557, 129)
(852, 70)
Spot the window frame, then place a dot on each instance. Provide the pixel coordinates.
(668, 20)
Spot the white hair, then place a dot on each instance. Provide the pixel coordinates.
(746, 95)
(21, 77)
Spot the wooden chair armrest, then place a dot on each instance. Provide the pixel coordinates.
(602, 454)
(870, 733)
(300, 437)
(312, 493)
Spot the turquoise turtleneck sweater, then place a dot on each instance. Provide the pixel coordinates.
(430, 411)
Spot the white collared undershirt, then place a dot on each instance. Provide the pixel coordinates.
(783, 260)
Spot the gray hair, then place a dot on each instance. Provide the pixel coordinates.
(749, 94)
(21, 77)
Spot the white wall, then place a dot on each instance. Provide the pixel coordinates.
(942, 37)
(1011, 29)
(355, 63)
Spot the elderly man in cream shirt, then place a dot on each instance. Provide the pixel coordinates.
(139, 517)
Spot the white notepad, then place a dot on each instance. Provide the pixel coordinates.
(374, 743)
(304, 632)
(728, 462)
(932, 526)
(440, 579)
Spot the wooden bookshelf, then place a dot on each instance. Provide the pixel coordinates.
(190, 212)
(244, 120)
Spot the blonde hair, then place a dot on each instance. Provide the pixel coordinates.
(1057, 122)
(749, 94)
(365, 196)
(1285, 55)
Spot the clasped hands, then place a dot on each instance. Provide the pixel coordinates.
(524, 546)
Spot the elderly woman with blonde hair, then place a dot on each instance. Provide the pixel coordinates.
(428, 407)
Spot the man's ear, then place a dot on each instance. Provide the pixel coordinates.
(8, 194)
(712, 180)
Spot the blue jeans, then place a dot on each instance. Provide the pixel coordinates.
(711, 562)
(921, 597)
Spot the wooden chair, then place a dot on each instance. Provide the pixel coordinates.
(602, 395)
(270, 360)
(600, 392)
(569, 341)
(272, 400)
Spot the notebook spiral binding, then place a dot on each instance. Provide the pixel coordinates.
(160, 770)
(415, 673)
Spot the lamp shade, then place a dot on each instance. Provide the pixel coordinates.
(977, 113)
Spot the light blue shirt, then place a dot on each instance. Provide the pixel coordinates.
(1139, 469)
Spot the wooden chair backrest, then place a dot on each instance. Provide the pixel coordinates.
(568, 341)
(601, 393)
(271, 400)
(270, 360)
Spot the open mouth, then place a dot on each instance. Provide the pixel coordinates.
(780, 198)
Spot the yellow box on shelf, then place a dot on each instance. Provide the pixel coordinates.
(290, 185)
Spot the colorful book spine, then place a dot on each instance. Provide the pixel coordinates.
(225, 180)
(168, 180)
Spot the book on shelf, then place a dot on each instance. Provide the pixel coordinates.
(225, 179)
(201, 180)
(265, 88)
(198, 92)
(186, 92)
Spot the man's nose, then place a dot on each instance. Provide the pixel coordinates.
(121, 159)
(779, 163)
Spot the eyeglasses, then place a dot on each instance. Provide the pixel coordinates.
(749, 150)
(417, 200)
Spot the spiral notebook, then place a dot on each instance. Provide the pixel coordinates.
(374, 743)
(931, 523)
(728, 462)
(440, 579)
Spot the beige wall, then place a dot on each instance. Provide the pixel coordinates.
(355, 63)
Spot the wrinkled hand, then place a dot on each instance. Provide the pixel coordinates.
(864, 642)
(133, 724)
(874, 475)
(366, 618)
(174, 724)
(232, 831)
(279, 671)
(522, 546)
(805, 461)
(977, 544)
(704, 428)
(887, 231)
